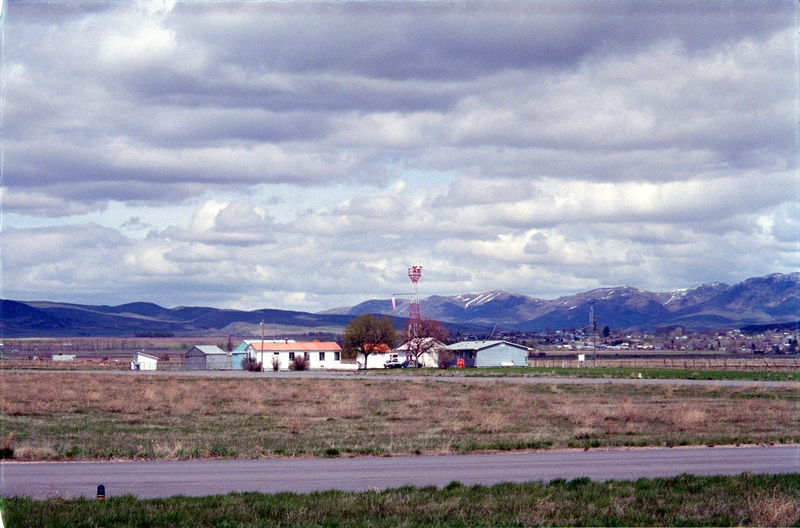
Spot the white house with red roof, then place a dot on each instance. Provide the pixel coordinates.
(319, 355)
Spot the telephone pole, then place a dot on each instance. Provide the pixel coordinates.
(593, 324)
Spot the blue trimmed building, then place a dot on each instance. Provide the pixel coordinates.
(490, 353)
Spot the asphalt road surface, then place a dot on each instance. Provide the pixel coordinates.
(380, 375)
(211, 477)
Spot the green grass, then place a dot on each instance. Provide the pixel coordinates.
(669, 373)
(753, 500)
(610, 373)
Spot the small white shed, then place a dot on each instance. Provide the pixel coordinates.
(63, 357)
(142, 361)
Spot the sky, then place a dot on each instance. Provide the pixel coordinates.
(302, 155)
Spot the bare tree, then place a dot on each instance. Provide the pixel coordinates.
(445, 358)
(250, 363)
(425, 336)
(300, 362)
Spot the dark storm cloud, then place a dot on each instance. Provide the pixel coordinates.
(576, 144)
(434, 40)
(103, 98)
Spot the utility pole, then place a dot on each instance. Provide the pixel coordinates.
(262, 342)
(593, 324)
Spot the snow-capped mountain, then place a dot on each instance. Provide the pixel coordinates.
(773, 298)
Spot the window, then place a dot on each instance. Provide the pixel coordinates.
(291, 356)
(322, 356)
(305, 355)
(336, 356)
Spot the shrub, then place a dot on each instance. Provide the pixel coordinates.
(222, 451)
(300, 362)
(6, 451)
(251, 365)
(452, 485)
(276, 363)
(779, 509)
(445, 358)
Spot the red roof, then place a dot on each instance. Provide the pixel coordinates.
(306, 346)
(381, 348)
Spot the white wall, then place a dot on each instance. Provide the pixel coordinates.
(144, 362)
(329, 363)
(63, 357)
(377, 360)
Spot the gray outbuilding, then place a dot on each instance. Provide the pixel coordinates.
(490, 353)
(206, 358)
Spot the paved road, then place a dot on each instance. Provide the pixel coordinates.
(210, 477)
(453, 378)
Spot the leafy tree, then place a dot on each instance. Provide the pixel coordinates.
(424, 337)
(367, 334)
(606, 331)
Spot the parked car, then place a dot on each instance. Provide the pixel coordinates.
(410, 364)
(393, 363)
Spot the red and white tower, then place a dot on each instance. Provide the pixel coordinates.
(414, 316)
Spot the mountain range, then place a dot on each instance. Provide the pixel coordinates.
(771, 299)
(760, 300)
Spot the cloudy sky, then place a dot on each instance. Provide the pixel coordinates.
(301, 155)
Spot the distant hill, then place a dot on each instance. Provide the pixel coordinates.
(756, 302)
(42, 319)
(20, 317)
(51, 319)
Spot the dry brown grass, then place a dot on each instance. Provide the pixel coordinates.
(108, 415)
(688, 417)
(776, 509)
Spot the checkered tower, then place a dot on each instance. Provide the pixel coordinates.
(414, 315)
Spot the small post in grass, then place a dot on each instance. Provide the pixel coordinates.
(101, 493)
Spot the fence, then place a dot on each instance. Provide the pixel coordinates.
(120, 363)
(717, 363)
(76, 364)
(170, 364)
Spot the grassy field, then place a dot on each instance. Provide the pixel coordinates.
(645, 372)
(79, 416)
(749, 500)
